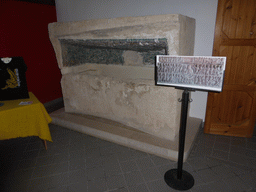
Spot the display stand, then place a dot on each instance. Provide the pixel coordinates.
(177, 178)
(188, 73)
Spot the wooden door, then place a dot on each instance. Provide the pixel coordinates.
(233, 111)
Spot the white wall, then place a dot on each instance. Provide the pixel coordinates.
(204, 11)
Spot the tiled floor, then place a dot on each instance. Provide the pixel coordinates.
(77, 162)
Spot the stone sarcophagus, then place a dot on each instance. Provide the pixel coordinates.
(108, 69)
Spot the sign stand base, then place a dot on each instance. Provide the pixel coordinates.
(177, 178)
(185, 183)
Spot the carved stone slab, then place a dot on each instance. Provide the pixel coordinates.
(108, 65)
(196, 72)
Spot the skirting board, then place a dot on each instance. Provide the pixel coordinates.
(54, 105)
(127, 136)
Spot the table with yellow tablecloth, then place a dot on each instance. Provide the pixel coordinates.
(30, 119)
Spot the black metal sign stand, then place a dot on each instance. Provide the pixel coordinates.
(177, 178)
(188, 73)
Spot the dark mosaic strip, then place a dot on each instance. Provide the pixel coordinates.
(110, 51)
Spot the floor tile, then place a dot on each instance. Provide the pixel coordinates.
(122, 149)
(252, 139)
(164, 168)
(106, 151)
(75, 164)
(221, 146)
(159, 160)
(79, 162)
(77, 176)
(251, 145)
(129, 155)
(129, 166)
(206, 140)
(112, 169)
(134, 178)
(138, 154)
(122, 189)
(223, 171)
(198, 179)
(139, 188)
(249, 179)
(27, 163)
(59, 158)
(237, 150)
(52, 159)
(22, 174)
(151, 174)
(30, 154)
(145, 163)
(223, 139)
(208, 175)
(34, 146)
(59, 141)
(78, 187)
(238, 141)
(198, 163)
(39, 183)
(54, 150)
(104, 143)
(74, 146)
(115, 182)
(251, 163)
(94, 162)
(239, 159)
(58, 189)
(59, 180)
(49, 170)
(92, 152)
(8, 166)
(220, 154)
(250, 153)
(236, 184)
(95, 173)
(159, 185)
(237, 168)
(187, 167)
(203, 188)
(201, 151)
(211, 162)
(16, 181)
(97, 185)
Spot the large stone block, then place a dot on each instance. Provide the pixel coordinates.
(108, 69)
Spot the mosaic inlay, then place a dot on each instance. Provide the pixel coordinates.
(110, 51)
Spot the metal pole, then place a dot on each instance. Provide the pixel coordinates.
(177, 178)
(183, 124)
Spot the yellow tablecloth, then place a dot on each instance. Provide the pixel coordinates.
(24, 120)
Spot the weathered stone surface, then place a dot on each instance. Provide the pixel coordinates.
(124, 93)
(136, 103)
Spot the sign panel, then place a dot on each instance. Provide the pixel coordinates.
(196, 72)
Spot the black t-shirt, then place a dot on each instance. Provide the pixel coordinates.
(13, 83)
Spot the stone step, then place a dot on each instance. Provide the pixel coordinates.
(127, 136)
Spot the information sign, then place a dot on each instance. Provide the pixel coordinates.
(195, 72)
